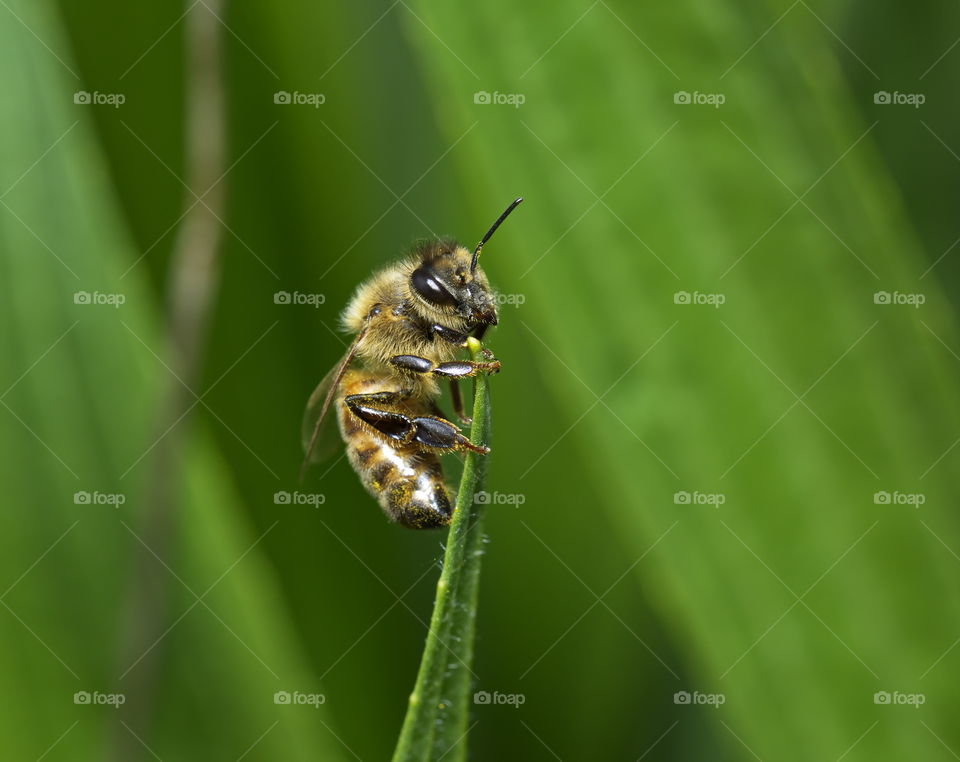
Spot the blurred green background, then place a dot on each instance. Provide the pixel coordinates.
(788, 589)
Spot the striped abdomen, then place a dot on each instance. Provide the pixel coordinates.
(406, 480)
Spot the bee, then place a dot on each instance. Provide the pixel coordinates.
(410, 320)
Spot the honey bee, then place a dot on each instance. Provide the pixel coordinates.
(410, 320)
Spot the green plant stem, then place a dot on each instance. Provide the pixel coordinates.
(436, 717)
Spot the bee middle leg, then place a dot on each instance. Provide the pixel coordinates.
(451, 369)
(383, 411)
(457, 401)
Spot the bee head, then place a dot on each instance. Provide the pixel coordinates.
(445, 285)
(446, 280)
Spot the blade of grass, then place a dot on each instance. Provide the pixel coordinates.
(800, 498)
(88, 380)
(194, 277)
(450, 728)
(437, 714)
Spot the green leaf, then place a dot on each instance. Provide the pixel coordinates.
(796, 400)
(436, 722)
(82, 385)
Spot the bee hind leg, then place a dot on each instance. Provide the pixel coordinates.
(381, 411)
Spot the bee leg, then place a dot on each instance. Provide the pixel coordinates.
(437, 433)
(452, 369)
(458, 402)
(460, 339)
(448, 335)
(381, 411)
(374, 410)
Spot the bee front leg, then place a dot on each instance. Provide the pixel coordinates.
(449, 335)
(460, 339)
(382, 411)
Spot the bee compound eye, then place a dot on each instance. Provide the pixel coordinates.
(424, 280)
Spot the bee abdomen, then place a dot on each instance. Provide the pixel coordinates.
(406, 480)
(408, 484)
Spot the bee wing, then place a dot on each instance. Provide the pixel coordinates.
(319, 443)
(318, 438)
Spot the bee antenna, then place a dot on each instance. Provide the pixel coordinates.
(476, 253)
